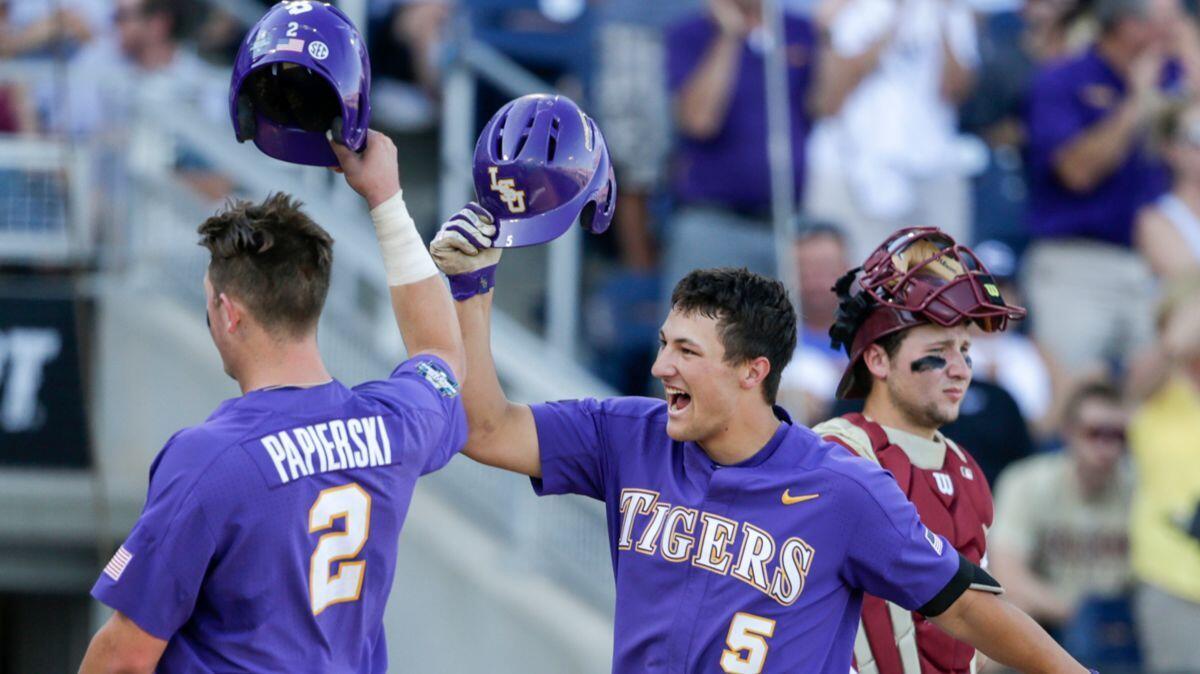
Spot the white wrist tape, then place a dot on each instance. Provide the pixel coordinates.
(404, 255)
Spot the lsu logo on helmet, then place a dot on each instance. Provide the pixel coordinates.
(512, 197)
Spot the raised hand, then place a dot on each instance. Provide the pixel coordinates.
(464, 242)
(375, 174)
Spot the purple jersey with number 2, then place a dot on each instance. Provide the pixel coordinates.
(269, 536)
(755, 567)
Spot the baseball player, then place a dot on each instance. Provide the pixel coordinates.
(740, 542)
(903, 317)
(268, 540)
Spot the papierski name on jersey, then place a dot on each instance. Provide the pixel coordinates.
(269, 536)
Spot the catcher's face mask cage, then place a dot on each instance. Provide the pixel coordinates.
(922, 270)
(919, 275)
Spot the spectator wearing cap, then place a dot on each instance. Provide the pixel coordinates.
(1090, 294)
(1165, 529)
(719, 173)
(888, 153)
(1062, 518)
(808, 385)
(1011, 359)
(1168, 230)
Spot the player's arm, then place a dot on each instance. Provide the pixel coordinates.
(893, 555)
(423, 309)
(121, 647)
(501, 433)
(1005, 634)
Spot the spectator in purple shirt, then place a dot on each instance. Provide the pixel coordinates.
(1090, 171)
(720, 174)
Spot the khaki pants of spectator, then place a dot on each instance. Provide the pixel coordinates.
(1168, 632)
(942, 201)
(1089, 301)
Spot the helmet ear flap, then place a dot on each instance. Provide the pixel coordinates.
(247, 124)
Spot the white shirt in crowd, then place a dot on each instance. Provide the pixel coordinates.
(895, 126)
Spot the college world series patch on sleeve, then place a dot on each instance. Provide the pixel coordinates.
(438, 378)
(116, 565)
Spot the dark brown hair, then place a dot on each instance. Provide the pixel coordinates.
(272, 257)
(753, 313)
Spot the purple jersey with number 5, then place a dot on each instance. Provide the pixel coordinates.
(269, 536)
(754, 567)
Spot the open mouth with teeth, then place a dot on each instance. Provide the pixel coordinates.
(677, 399)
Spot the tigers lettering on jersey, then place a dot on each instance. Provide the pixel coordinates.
(677, 534)
(338, 444)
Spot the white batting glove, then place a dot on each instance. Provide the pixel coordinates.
(463, 251)
(464, 242)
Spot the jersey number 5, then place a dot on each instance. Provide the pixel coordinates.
(748, 633)
(353, 504)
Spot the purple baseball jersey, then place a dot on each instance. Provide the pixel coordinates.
(269, 536)
(755, 567)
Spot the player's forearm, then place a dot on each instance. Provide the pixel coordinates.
(499, 430)
(106, 656)
(1005, 634)
(428, 322)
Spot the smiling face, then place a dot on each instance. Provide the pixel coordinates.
(702, 389)
(927, 376)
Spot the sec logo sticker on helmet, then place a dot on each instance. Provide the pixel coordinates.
(541, 164)
(301, 71)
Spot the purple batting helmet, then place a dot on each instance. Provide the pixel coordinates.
(540, 163)
(301, 71)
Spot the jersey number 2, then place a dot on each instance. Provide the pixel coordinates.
(748, 633)
(351, 503)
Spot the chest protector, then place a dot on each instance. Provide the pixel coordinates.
(954, 501)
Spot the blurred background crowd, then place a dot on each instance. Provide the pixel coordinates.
(1059, 138)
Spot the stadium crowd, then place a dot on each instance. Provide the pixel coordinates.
(1060, 138)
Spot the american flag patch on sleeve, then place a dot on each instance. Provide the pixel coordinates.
(116, 566)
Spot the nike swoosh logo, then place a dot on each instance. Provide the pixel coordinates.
(788, 499)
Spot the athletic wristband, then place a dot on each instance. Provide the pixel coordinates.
(472, 283)
(404, 256)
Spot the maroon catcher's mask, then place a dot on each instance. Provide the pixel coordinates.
(918, 275)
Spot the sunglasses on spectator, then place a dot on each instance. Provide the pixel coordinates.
(1107, 433)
